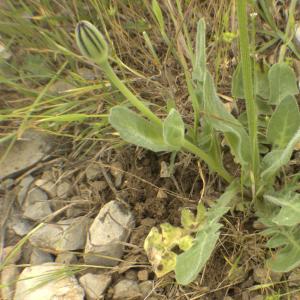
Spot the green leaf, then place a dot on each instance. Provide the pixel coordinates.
(220, 119)
(237, 85)
(261, 83)
(276, 159)
(288, 258)
(289, 214)
(136, 130)
(199, 68)
(173, 129)
(158, 15)
(191, 262)
(284, 122)
(276, 241)
(283, 82)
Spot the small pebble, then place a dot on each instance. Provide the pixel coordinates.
(146, 287)
(64, 190)
(126, 289)
(39, 257)
(131, 275)
(142, 275)
(14, 257)
(66, 258)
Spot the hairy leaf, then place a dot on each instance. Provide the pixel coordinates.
(136, 130)
(283, 82)
(276, 159)
(261, 83)
(192, 261)
(289, 214)
(200, 53)
(276, 241)
(173, 129)
(284, 122)
(220, 119)
(287, 258)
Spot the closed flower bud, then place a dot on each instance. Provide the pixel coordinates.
(91, 42)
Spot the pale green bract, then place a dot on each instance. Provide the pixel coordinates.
(91, 42)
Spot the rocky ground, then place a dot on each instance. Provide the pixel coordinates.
(75, 230)
(57, 220)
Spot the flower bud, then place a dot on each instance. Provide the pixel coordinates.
(91, 42)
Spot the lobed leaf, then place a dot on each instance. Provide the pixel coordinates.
(276, 159)
(192, 261)
(289, 214)
(286, 259)
(220, 119)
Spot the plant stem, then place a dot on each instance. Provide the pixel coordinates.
(210, 162)
(248, 88)
(107, 69)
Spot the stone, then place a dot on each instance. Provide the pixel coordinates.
(295, 295)
(99, 186)
(131, 275)
(93, 172)
(64, 190)
(86, 73)
(24, 186)
(5, 53)
(39, 257)
(28, 150)
(20, 226)
(117, 172)
(127, 289)
(47, 185)
(55, 287)
(110, 229)
(36, 206)
(146, 288)
(258, 297)
(60, 86)
(6, 184)
(294, 278)
(9, 275)
(94, 285)
(263, 275)
(73, 212)
(161, 194)
(142, 275)
(66, 258)
(66, 235)
(13, 254)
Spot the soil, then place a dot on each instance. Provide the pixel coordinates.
(156, 197)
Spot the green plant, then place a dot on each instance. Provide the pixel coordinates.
(261, 140)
